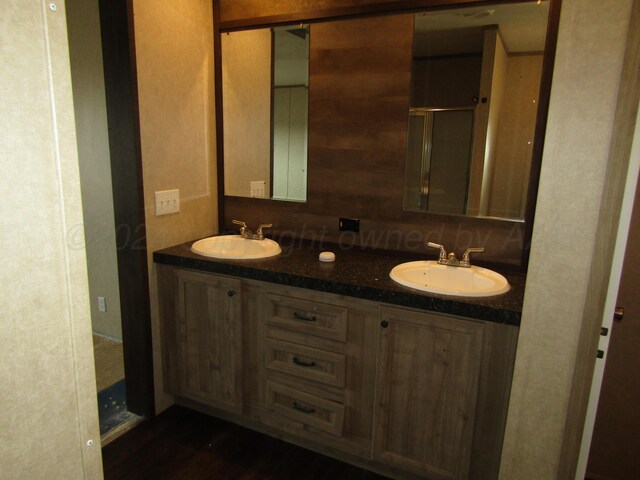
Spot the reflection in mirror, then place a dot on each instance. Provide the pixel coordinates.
(265, 79)
(290, 101)
(474, 96)
(438, 156)
(246, 104)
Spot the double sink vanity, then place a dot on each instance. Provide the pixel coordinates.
(431, 128)
(429, 276)
(337, 356)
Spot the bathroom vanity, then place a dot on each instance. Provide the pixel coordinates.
(338, 358)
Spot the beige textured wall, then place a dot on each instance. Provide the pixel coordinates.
(496, 101)
(85, 50)
(515, 140)
(246, 100)
(583, 101)
(48, 408)
(174, 50)
(483, 110)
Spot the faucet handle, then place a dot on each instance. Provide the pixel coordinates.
(466, 259)
(263, 225)
(243, 226)
(443, 252)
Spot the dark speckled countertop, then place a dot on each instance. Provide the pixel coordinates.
(355, 273)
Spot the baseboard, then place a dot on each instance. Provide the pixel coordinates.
(121, 429)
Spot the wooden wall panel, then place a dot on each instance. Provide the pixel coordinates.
(358, 104)
(503, 241)
(233, 10)
(242, 13)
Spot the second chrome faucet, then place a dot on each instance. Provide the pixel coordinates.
(451, 260)
(245, 232)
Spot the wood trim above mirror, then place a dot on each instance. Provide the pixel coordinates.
(243, 14)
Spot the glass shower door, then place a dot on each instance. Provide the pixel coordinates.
(438, 160)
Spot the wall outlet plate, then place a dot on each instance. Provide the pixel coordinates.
(102, 304)
(167, 201)
(349, 225)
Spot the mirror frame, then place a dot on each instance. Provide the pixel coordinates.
(406, 6)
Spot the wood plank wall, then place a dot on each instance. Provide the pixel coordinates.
(238, 13)
(234, 10)
(360, 77)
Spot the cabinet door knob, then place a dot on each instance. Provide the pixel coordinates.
(384, 324)
(231, 293)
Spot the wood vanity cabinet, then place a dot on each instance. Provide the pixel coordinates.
(202, 337)
(428, 370)
(408, 393)
(318, 366)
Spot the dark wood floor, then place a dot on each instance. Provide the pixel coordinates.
(182, 444)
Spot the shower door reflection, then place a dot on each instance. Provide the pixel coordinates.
(438, 160)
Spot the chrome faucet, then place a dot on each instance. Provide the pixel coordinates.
(442, 258)
(245, 232)
(466, 259)
(451, 260)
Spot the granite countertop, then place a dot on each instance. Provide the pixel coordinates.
(355, 273)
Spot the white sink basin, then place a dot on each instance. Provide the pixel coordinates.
(234, 247)
(429, 276)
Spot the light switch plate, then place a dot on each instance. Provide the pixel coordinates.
(167, 201)
(258, 189)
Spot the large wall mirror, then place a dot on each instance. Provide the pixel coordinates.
(265, 83)
(476, 76)
(412, 116)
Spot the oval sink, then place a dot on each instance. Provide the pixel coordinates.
(234, 247)
(429, 276)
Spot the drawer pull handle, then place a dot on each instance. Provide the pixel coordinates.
(302, 318)
(300, 408)
(302, 363)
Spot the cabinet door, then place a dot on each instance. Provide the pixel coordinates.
(208, 346)
(428, 370)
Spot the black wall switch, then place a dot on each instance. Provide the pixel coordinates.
(349, 225)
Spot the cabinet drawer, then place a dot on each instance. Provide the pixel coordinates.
(310, 363)
(313, 318)
(307, 409)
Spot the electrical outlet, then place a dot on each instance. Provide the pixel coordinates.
(349, 225)
(167, 201)
(258, 188)
(102, 304)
